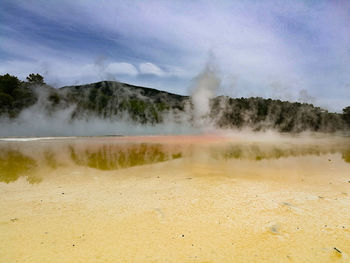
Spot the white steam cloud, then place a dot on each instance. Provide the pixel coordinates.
(34, 122)
(207, 84)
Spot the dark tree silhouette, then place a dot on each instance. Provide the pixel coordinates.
(346, 115)
(8, 83)
(14, 96)
(35, 78)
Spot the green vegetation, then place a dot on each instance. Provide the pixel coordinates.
(284, 116)
(14, 95)
(115, 100)
(35, 79)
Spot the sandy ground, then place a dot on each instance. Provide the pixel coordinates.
(195, 208)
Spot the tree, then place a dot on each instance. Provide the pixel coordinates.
(14, 96)
(5, 100)
(346, 115)
(35, 78)
(8, 83)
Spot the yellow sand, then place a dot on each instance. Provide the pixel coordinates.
(196, 200)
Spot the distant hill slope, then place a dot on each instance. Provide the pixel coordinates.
(110, 99)
(116, 100)
(284, 116)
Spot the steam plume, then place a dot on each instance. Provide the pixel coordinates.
(207, 84)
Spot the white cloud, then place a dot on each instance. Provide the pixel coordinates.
(60, 72)
(121, 68)
(150, 68)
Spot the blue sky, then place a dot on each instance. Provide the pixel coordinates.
(295, 50)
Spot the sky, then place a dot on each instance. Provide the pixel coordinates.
(290, 50)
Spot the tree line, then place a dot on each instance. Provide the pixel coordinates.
(112, 99)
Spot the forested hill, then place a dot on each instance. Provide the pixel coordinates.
(116, 100)
(111, 99)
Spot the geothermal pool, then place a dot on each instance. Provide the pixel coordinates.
(234, 198)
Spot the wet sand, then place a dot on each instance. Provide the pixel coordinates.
(175, 199)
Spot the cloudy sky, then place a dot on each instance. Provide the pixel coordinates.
(295, 50)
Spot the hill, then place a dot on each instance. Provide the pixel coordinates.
(115, 100)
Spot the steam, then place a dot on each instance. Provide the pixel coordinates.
(35, 121)
(207, 84)
(305, 97)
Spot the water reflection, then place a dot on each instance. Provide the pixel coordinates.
(14, 164)
(50, 159)
(346, 156)
(113, 157)
(266, 152)
(28, 159)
